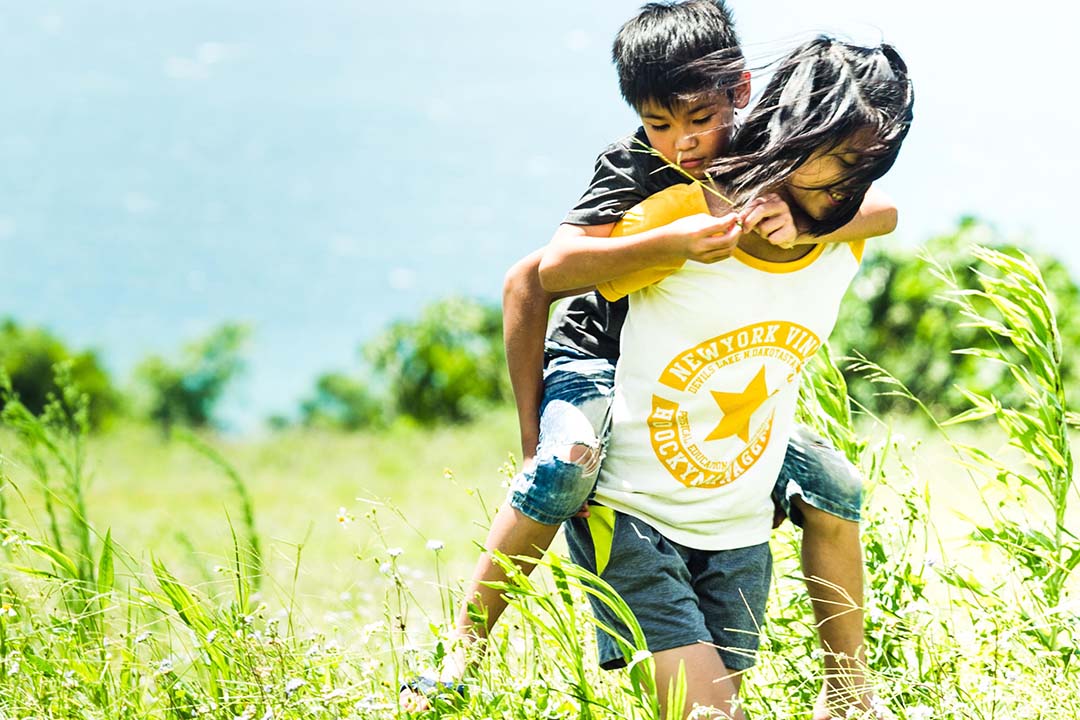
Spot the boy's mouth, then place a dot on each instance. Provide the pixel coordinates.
(691, 163)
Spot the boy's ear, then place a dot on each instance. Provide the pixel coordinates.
(740, 94)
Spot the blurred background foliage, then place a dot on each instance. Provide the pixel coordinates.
(447, 365)
(28, 356)
(896, 315)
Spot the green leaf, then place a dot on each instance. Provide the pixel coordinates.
(105, 574)
(58, 558)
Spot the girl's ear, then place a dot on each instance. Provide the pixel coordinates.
(740, 94)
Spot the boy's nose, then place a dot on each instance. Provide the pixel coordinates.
(686, 142)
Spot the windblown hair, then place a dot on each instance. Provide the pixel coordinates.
(823, 93)
(655, 51)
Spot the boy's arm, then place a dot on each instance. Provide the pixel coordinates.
(876, 217)
(585, 255)
(525, 317)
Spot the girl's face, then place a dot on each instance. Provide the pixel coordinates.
(816, 186)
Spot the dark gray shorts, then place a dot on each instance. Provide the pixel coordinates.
(679, 595)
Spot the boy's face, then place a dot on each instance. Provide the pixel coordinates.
(694, 132)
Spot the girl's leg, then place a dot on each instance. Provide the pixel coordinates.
(833, 567)
(708, 682)
(822, 492)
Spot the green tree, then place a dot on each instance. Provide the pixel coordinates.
(344, 403)
(187, 391)
(28, 355)
(898, 317)
(445, 365)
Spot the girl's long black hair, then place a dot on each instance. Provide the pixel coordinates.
(823, 93)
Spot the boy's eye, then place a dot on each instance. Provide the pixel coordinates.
(659, 128)
(702, 120)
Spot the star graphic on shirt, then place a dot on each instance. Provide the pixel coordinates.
(738, 408)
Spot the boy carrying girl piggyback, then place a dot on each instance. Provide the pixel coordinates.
(669, 395)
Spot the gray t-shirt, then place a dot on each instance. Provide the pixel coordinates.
(626, 173)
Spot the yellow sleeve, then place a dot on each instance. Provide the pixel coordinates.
(655, 211)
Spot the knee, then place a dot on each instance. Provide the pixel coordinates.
(586, 457)
(567, 475)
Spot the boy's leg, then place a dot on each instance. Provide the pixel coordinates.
(702, 609)
(573, 425)
(822, 492)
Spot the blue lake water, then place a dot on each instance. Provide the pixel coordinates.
(317, 170)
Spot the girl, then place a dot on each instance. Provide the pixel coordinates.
(830, 122)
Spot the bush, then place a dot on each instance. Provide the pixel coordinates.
(445, 366)
(343, 402)
(187, 392)
(29, 355)
(898, 315)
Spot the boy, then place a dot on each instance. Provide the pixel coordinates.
(687, 118)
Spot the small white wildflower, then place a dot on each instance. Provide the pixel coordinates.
(165, 666)
(293, 685)
(211, 635)
(7, 610)
(268, 715)
(142, 637)
(435, 545)
(344, 517)
(920, 712)
(13, 666)
(394, 552)
(386, 568)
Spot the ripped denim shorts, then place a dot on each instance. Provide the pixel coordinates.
(574, 427)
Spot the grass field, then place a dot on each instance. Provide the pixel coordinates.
(405, 493)
(306, 575)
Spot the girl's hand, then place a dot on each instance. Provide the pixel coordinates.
(770, 217)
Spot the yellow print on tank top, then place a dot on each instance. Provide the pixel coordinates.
(708, 445)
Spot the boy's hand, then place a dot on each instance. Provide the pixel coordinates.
(705, 238)
(770, 217)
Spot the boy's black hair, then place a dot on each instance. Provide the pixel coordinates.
(822, 94)
(654, 51)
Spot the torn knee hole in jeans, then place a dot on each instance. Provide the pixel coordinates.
(587, 457)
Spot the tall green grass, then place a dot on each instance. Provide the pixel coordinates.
(90, 628)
